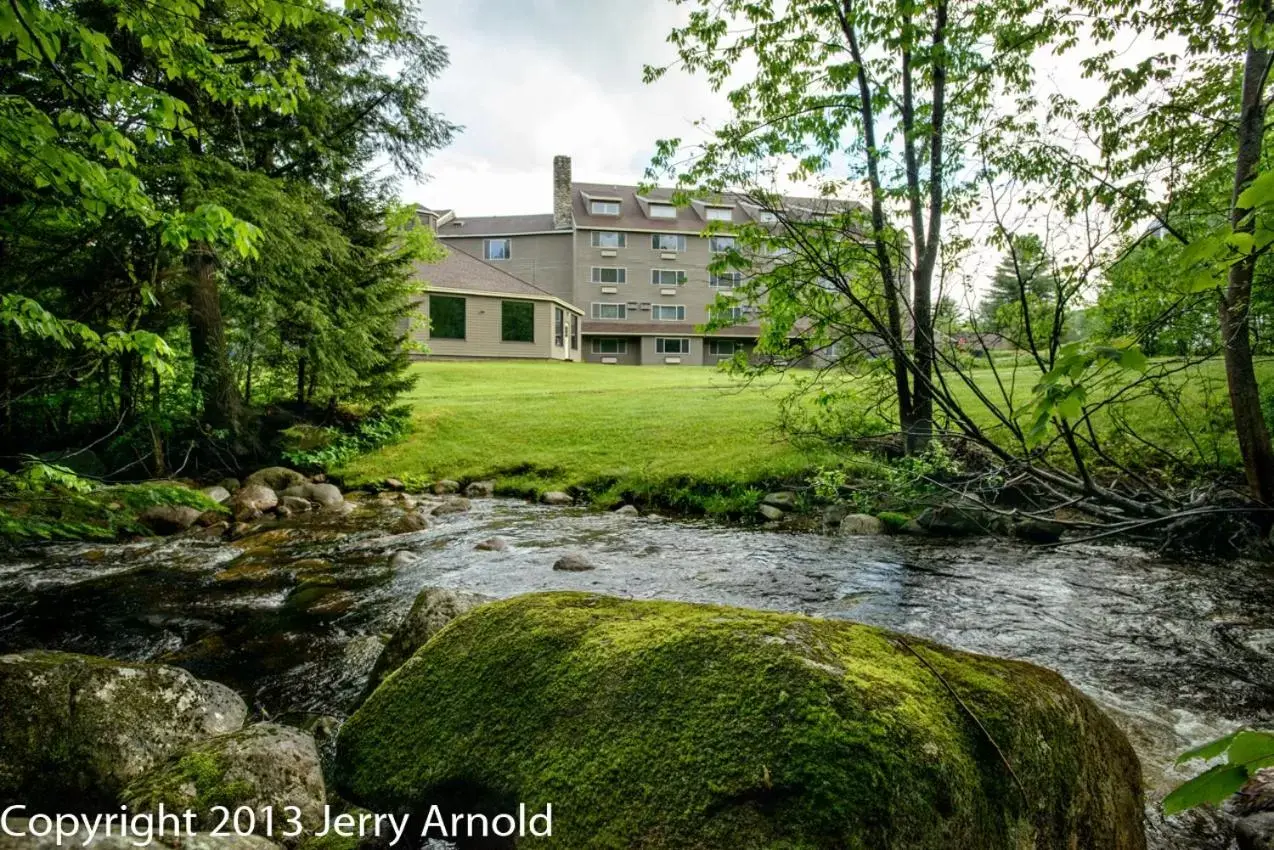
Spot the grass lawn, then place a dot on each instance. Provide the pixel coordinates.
(536, 426)
(697, 439)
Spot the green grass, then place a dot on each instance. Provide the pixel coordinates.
(693, 433)
(697, 440)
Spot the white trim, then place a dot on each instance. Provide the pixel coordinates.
(504, 235)
(656, 309)
(595, 243)
(486, 249)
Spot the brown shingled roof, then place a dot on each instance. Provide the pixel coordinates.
(690, 219)
(458, 270)
(498, 225)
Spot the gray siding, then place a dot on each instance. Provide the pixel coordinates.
(482, 331)
(543, 260)
(639, 259)
(651, 357)
(630, 357)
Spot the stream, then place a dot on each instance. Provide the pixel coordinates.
(1178, 652)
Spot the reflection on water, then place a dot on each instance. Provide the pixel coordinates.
(1177, 651)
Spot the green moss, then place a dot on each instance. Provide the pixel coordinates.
(894, 521)
(202, 772)
(104, 514)
(659, 724)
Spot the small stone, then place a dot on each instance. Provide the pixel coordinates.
(209, 518)
(283, 511)
(168, 519)
(480, 490)
(453, 505)
(573, 563)
(326, 495)
(213, 532)
(252, 500)
(769, 512)
(401, 559)
(446, 486)
(857, 524)
(627, 510)
(394, 484)
(411, 522)
(230, 484)
(784, 499)
(556, 497)
(217, 493)
(319, 478)
(275, 477)
(492, 544)
(295, 504)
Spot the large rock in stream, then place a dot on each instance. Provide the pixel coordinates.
(434, 608)
(75, 729)
(672, 725)
(265, 766)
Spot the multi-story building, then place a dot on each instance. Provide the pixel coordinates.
(635, 264)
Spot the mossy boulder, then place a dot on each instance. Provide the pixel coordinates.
(75, 729)
(262, 766)
(671, 725)
(434, 608)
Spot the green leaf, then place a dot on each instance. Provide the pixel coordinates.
(1259, 193)
(1211, 786)
(1210, 750)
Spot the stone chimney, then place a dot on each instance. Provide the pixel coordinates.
(562, 218)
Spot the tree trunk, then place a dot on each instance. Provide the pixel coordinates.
(1245, 397)
(300, 381)
(214, 382)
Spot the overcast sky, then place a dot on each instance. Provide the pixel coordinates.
(530, 79)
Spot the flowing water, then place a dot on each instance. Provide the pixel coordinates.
(293, 617)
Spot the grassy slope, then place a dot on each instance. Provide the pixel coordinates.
(538, 426)
(548, 425)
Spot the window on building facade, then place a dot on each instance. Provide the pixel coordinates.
(672, 346)
(517, 321)
(559, 327)
(609, 239)
(446, 317)
(574, 332)
(766, 217)
(724, 347)
(668, 242)
(725, 280)
(719, 213)
(496, 249)
(609, 274)
(603, 207)
(610, 346)
(736, 313)
(663, 211)
(609, 311)
(721, 244)
(668, 312)
(667, 277)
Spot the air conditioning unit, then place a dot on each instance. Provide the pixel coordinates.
(645, 305)
(672, 360)
(667, 292)
(632, 305)
(610, 359)
(610, 290)
(609, 252)
(668, 255)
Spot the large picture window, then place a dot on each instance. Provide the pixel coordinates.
(668, 312)
(517, 321)
(610, 346)
(667, 242)
(446, 317)
(609, 239)
(609, 274)
(609, 311)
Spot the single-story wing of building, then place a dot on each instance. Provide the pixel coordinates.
(476, 311)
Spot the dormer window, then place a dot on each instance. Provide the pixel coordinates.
(766, 217)
(719, 213)
(603, 207)
(663, 211)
